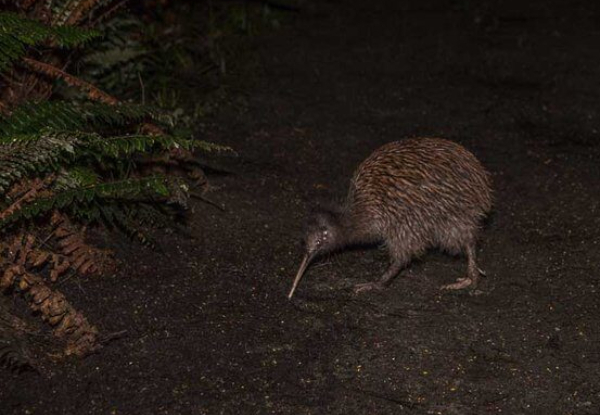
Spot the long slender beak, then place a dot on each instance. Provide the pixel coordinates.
(305, 262)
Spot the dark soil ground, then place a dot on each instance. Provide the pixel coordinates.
(209, 327)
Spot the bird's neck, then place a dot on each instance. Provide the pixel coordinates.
(354, 230)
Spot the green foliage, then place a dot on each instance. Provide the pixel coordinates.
(64, 163)
(76, 177)
(120, 61)
(85, 201)
(165, 66)
(17, 33)
(31, 118)
(87, 152)
(85, 161)
(28, 120)
(22, 155)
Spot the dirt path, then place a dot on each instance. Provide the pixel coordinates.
(209, 327)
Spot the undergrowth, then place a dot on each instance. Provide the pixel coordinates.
(99, 100)
(78, 150)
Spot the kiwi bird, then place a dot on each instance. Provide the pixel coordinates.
(409, 195)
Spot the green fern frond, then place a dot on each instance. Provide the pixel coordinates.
(81, 200)
(129, 144)
(22, 155)
(32, 32)
(30, 118)
(100, 115)
(71, 36)
(76, 177)
(126, 219)
(18, 32)
(208, 147)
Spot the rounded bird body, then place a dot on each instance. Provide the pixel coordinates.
(411, 195)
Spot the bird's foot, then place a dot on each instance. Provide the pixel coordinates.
(367, 286)
(460, 284)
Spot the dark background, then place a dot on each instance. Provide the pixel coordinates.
(209, 327)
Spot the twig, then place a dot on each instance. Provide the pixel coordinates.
(210, 202)
(65, 279)
(112, 337)
(142, 88)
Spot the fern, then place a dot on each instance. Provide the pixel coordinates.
(119, 58)
(23, 155)
(81, 144)
(80, 201)
(67, 163)
(76, 177)
(209, 147)
(130, 218)
(31, 118)
(126, 145)
(17, 32)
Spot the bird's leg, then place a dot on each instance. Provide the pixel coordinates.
(472, 273)
(384, 281)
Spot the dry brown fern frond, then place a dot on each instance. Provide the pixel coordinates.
(77, 253)
(22, 250)
(25, 191)
(23, 254)
(71, 253)
(67, 323)
(93, 93)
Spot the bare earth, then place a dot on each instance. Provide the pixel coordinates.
(210, 330)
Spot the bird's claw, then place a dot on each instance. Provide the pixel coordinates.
(367, 286)
(460, 284)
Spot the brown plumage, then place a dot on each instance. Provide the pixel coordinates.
(410, 195)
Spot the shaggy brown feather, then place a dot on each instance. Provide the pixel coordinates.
(412, 195)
